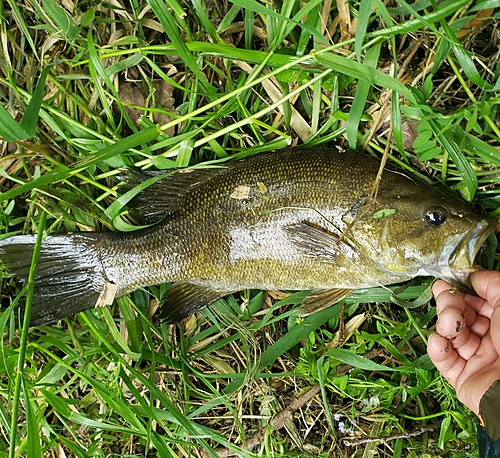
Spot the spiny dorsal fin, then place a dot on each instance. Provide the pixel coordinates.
(162, 197)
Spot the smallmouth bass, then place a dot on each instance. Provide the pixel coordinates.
(296, 219)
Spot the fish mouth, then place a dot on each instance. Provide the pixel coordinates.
(456, 261)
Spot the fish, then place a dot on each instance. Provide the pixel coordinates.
(313, 219)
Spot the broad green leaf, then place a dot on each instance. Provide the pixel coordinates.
(124, 64)
(364, 72)
(30, 118)
(482, 149)
(384, 213)
(64, 21)
(296, 334)
(423, 299)
(445, 432)
(360, 362)
(10, 130)
(467, 64)
(485, 5)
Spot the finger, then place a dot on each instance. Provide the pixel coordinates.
(481, 326)
(452, 299)
(451, 322)
(451, 325)
(466, 344)
(445, 358)
(486, 283)
(478, 304)
(439, 286)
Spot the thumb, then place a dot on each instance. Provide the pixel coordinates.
(486, 283)
(495, 329)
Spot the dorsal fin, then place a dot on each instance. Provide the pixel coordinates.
(162, 197)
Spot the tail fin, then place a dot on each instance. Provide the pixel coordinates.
(69, 277)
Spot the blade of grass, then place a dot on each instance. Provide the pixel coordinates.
(64, 172)
(463, 57)
(444, 10)
(365, 73)
(183, 421)
(228, 19)
(207, 25)
(286, 25)
(134, 424)
(456, 155)
(324, 398)
(360, 98)
(13, 436)
(23, 27)
(396, 119)
(249, 19)
(171, 29)
(360, 362)
(245, 121)
(34, 448)
(97, 74)
(365, 11)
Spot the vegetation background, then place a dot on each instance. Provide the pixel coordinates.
(90, 87)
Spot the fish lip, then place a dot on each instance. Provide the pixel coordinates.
(466, 247)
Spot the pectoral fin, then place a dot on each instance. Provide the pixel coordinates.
(320, 299)
(319, 243)
(185, 298)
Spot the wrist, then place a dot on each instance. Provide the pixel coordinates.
(489, 411)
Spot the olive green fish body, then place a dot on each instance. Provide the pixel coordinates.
(294, 219)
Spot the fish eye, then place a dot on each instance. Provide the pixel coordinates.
(435, 216)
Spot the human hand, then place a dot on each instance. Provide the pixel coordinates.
(466, 346)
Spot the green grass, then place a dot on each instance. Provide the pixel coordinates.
(211, 80)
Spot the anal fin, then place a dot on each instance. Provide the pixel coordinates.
(183, 299)
(321, 299)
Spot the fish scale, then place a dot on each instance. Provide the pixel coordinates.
(294, 219)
